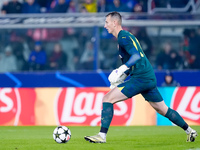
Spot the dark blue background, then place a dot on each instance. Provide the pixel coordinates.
(83, 79)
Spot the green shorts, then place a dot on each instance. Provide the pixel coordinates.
(147, 88)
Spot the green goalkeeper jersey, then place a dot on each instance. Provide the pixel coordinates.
(129, 45)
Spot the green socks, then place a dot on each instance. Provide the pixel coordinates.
(106, 116)
(174, 117)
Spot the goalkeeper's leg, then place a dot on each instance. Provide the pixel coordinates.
(174, 117)
(109, 99)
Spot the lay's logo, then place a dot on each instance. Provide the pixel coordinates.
(186, 100)
(17, 106)
(10, 105)
(82, 106)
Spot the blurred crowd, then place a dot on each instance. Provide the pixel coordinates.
(187, 57)
(46, 49)
(71, 6)
(84, 6)
(73, 49)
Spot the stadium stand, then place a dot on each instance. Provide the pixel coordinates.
(81, 22)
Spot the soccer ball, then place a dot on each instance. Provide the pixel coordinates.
(61, 134)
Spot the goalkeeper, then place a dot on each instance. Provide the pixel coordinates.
(142, 80)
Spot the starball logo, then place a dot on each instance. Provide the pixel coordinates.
(10, 105)
(82, 106)
(186, 100)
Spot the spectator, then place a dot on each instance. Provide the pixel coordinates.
(69, 43)
(30, 7)
(131, 5)
(72, 7)
(190, 48)
(117, 6)
(102, 7)
(162, 59)
(2, 4)
(168, 58)
(194, 51)
(53, 34)
(57, 59)
(145, 42)
(61, 7)
(176, 62)
(87, 58)
(37, 58)
(90, 5)
(27, 43)
(12, 7)
(55, 2)
(44, 5)
(83, 10)
(8, 62)
(169, 80)
(76, 58)
(185, 48)
(137, 8)
(143, 4)
(18, 51)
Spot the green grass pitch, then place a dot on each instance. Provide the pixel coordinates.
(118, 138)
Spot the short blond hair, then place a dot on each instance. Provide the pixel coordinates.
(116, 15)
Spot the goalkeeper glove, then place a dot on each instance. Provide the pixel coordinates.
(121, 80)
(118, 74)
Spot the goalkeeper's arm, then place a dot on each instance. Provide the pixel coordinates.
(131, 62)
(125, 67)
(133, 59)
